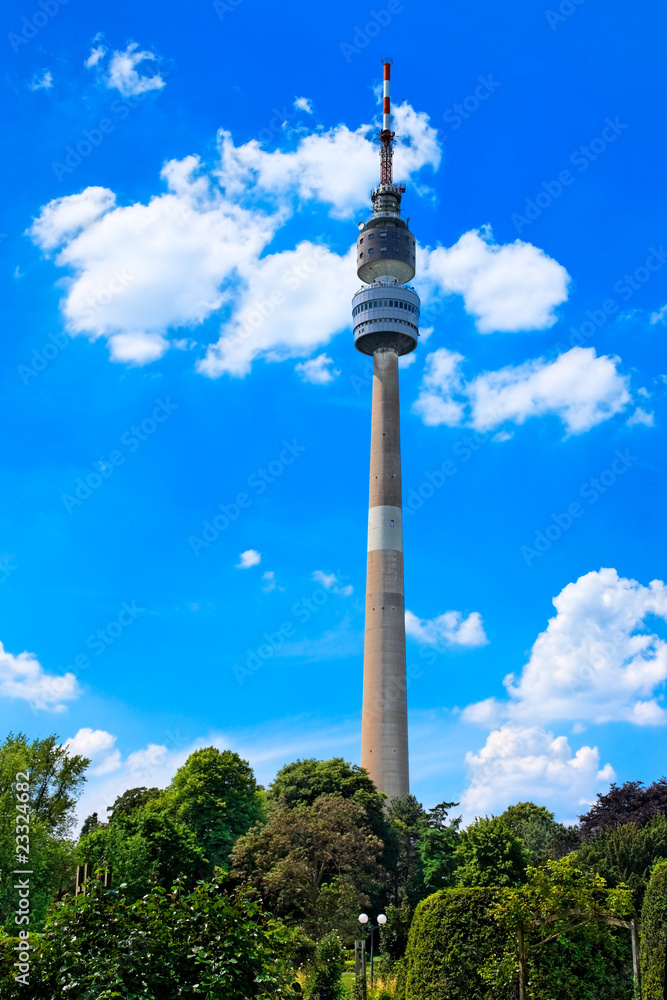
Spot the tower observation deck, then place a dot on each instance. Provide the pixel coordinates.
(385, 314)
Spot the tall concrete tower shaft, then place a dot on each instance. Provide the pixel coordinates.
(386, 326)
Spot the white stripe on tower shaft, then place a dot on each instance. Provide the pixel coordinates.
(384, 734)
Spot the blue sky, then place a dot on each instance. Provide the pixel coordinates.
(186, 421)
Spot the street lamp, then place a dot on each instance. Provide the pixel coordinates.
(363, 920)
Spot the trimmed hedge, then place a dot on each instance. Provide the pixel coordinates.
(654, 932)
(452, 936)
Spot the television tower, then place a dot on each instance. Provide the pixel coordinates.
(386, 325)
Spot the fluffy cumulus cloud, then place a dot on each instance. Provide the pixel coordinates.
(139, 272)
(510, 287)
(24, 677)
(527, 763)
(251, 557)
(578, 387)
(99, 747)
(599, 660)
(452, 628)
(129, 71)
(319, 370)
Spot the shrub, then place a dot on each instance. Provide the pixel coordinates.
(165, 946)
(452, 935)
(325, 977)
(654, 932)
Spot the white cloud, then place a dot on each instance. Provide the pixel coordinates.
(509, 287)
(659, 317)
(289, 304)
(580, 388)
(43, 81)
(123, 75)
(303, 104)
(64, 218)
(332, 581)
(96, 54)
(449, 629)
(317, 370)
(99, 746)
(641, 416)
(251, 557)
(597, 661)
(312, 171)
(24, 677)
(269, 581)
(527, 763)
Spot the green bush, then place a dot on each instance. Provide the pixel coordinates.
(165, 946)
(452, 935)
(325, 976)
(654, 932)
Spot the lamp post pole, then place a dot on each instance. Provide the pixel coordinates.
(363, 920)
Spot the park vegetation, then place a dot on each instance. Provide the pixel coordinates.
(221, 888)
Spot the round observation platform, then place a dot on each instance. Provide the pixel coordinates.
(386, 317)
(386, 247)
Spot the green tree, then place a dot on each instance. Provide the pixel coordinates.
(165, 946)
(625, 854)
(407, 823)
(653, 958)
(55, 782)
(144, 847)
(543, 836)
(488, 853)
(304, 781)
(132, 799)
(570, 950)
(301, 849)
(437, 847)
(216, 795)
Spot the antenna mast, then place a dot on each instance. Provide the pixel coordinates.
(386, 135)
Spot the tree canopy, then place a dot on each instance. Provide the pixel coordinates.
(629, 803)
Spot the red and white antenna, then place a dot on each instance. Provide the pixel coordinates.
(386, 135)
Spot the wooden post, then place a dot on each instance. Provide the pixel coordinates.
(82, 876)
(523, 972)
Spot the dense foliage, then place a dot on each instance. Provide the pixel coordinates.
(55, 782)
(488, 853)
(170, 944)
(570, 949)
(453, 933)
(653, 957)
(631, 803)
(625, 854)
